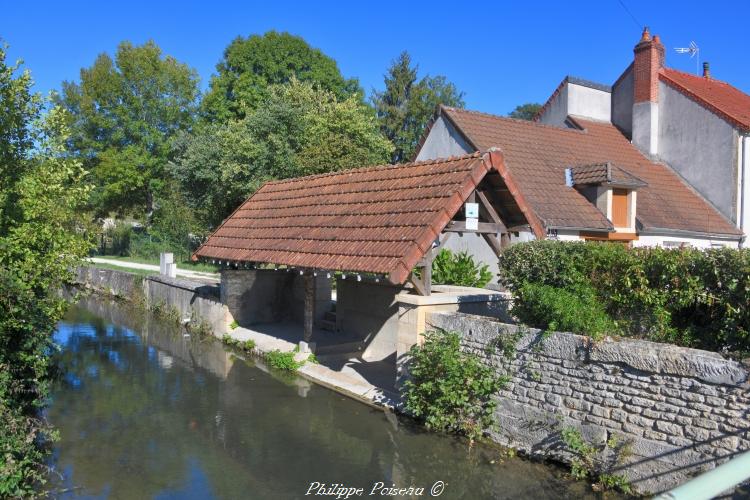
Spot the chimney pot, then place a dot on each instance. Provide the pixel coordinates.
(706, 70)
(646, 36)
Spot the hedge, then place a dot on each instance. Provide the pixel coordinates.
(690, 297)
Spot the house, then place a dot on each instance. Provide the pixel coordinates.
(658, 158)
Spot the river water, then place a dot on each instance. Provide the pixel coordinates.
(146, 411)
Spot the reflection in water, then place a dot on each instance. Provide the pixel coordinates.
(146, 411)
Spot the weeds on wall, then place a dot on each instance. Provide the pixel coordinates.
(283, 361)
(244, 345)
(451, 390)
(588, 459)
(166, 312)
(690, 297)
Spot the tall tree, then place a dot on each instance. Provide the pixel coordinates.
(42, 238)
(125, 114)
(250, 65)
(525, 111)
(298, 129)
(406, 105)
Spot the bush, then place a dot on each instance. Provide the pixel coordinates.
(459, 269)
(450, 390)
(691, 297)
(547, 307)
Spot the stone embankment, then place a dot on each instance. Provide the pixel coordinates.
(658, 413)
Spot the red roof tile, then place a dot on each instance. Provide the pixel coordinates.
(537, 155)
(728, 102)
(376, 220)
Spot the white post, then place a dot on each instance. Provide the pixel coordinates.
(166, 263)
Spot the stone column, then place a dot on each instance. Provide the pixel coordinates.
(309, 314)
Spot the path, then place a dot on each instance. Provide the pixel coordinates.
(153, 267)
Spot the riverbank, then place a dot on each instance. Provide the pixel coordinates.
(197, 304)
(657, 414)
(188, 417)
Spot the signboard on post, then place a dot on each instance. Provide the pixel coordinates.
(472, 216)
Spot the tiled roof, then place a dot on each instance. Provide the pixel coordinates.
(374, 220)
(728, 102)
(536, 156)
(604, 173)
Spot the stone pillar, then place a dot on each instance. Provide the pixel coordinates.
(309, 314)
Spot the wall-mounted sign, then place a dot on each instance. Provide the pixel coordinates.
(472, 210)
(472, 223)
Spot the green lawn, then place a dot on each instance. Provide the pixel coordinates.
(139, 272)
(185, 264)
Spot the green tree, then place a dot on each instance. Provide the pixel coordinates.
(298, 129)
(42, 238)
(525, 111)
(125, 114)
(406, 105)
(251, 65)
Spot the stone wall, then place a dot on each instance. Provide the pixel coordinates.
(673, 412)
(255, 296)
(198, 301)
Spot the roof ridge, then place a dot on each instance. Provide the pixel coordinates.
(698, 77)
(382, 166)
(515, 120)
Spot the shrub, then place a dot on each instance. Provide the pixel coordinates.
(283, 361)
(459, 269)
(450, 390)
(547, 307)
(691, 297)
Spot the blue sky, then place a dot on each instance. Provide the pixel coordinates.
(499, 53)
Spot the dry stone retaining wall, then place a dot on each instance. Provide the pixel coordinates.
(672, 411)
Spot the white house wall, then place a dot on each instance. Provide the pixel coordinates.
(589, 102)
(579, 100)
(443, 141)
(653, 240)
(622, 104)
(701, 147)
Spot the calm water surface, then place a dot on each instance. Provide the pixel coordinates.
(145, 411)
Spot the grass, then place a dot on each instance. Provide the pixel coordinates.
(185, 264)
(139, 272)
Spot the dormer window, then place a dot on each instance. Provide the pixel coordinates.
(611, 189)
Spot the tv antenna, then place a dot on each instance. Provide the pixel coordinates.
(694, 51)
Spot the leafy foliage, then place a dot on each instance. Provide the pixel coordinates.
(42, 238)
(283, 361)
(545, 306)
(125, 114)
(298, 130)
(525, 111)
(450, 390)
(587, 460)
(252, 65)
(406, 105)
(690, 297)
(459, 269)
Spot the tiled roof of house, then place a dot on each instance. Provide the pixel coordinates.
(729, 102)
(536, 156)
(604, 173)
(375, 220)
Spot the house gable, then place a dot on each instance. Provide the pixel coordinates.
(442, 140)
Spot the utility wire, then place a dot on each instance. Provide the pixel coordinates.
(630, 14)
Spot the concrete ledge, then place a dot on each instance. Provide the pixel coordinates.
(448, 294)
(198, 287)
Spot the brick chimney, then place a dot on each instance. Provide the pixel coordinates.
(706, 71)
(648, 61)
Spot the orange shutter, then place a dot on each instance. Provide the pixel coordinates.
(620, 208)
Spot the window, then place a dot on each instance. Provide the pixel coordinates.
(620, 208)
